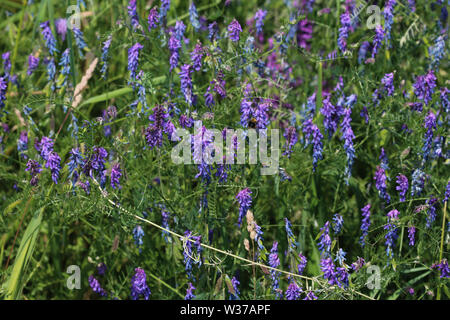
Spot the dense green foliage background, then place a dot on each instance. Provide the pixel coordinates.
(74, 228)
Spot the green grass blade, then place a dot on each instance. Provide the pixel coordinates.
(15, 282)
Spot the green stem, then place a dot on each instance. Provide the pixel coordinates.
(16, 45)
(319, 87)
(403, 231)
(441, 250)
(165, 284)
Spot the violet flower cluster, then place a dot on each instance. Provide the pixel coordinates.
(380, 184)
(348, 136)
(274, 262)
(365, 224)
(313, 136)
(402, 186)
(244, 199)
(139, 285)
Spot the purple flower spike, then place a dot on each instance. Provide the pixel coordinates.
(424, 86)
(132, 13)
(344, 30)
(234, 29)
(186, 83)
(313, 136)
(443, 268)
(54, 163)
(189, 292)
(291, 137)
(411, 235)
(133, 60)
(293, 291)
(365, 224)
(139, 285)
(33, 63)
(153, 19)
(34, 168)
(402, 187)
(61, 28)
(274, 262)
(380, 184)
(244, 199)
(50, 40)
(348, 136)
(430, 124)
(116, 173)
(377, 40)
(96, 287)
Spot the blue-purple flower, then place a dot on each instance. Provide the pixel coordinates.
(133, 60)
(388, 83)
(79, 41)
(411, 235)
(325, 240)
(22, 143)
(313, 136)
(65, 66)
(274, 262)
(365, 46)
(213, 31)
(330, 116)
(290, 134)
(328, 269)
(260, 15)
(44, 147)
(424, 86)
(116, 173)
(388, 13)
(33, 63)
(365, 224)
(234, 30)
(139, 285)
(6, 62)
(244, 199)
(61, 27)
(163, 9)
(380, 184)
(188, 254)
(153, 19)
(301, 264)
(392, 234)
(33, 167)
(377, 40)
(437, 52)
(293, 291)
(96, 287)
(338, 223)
(431, 212)
(418, 182)
(430, 124)
(54, 164)
(197, 56)
(186, 83)
(190, 292)
(132, 13)
(105, 56)
(193, 16)
(402, 186)
(343, 31)
(348, 136)
(444, 269)
(138, 235)
(50, 40)
(174, 47)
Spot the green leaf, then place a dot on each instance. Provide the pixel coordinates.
(16, 282)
